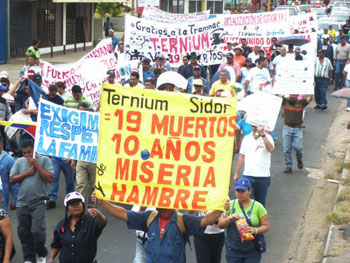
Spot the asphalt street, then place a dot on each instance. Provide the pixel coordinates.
(286, 201)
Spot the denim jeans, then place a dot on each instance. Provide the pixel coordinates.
(209, 247)
(32, 230)
(320, 91)
(59, 164)
(140, 253)
(7, 188)
(292, 139)
(347, 85)
(244, 258)
(338, 73)
(260, 185)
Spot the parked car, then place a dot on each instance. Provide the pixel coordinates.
(340, 16)
(317, 3)
(293, 10)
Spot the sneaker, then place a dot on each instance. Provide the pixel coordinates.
(348, 109)
(300, 164)
(324, 107)
(41, 260)
(50, 204)
(288, 170)
(317, 107)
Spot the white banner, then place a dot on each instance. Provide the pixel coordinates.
(262, 109)
(303, 23)
(89, 72)
(67, 133)
(145, 38)
(294, 77)
(157, 15)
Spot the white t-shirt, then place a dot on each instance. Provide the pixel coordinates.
(211, 229)
(278, 59)
(256, 77)
(257, 159)
(347, 70)
(253, 56)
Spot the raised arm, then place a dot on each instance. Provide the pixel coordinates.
(114, 210)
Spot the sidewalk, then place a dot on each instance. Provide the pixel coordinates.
(338, 241)
(14, 66)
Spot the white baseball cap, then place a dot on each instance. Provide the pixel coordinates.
(73, 196)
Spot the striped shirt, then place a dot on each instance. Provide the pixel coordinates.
(322, 70)
(70, 102)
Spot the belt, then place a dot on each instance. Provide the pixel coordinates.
(294, 125)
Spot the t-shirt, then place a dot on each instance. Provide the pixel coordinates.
(245, 127)
(240, 60)
(257, 159)
(57, 100)
(254, 214)
(278, 60)
(213, 228)
(347, 70)
(293, 112)
(32, 187)
(253, 56)
(218, 85)
(256, 77)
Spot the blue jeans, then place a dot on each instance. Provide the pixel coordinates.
(260, 185)
(59, 164)
(338, 73)
(292, 139)
(320, 91)
(7, 188)
(347, 85)
(244, 258)
(140, 253)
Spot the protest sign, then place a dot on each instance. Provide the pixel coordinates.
(294, 77)
(89, 72)
(303, 23)
(170, 150)
(262, 109)
(144, 38)
(157, 15)
(126, 67)
(66, 133)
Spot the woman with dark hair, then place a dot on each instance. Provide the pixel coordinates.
(75, 236)
(6, 248)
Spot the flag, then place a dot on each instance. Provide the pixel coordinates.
(35, 91)
(29, 127)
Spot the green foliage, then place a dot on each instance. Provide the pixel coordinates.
(110, 9)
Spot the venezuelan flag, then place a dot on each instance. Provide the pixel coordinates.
(29, 127)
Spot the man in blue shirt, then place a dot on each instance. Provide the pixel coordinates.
(197, 71)
(146, 65)
(115, 40)
(165, 243)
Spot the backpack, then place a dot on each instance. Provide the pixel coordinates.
(180, 224)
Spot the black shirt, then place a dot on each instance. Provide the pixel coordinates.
(80, 246)
(346, 29)
(57, 100)
(188, 71)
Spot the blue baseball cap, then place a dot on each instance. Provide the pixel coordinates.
(2, 87)
(325, 28)
(243, 184)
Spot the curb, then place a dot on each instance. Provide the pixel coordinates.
(340, 188)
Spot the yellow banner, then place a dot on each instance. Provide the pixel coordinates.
(165, 149)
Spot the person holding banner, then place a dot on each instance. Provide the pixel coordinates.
(33, 173)
(292, 111)
(247, 251)
(75, 237)
(166, 242)
(255, 155)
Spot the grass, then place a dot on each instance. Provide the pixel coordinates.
(345, 166)
(329, 176)
(332, 253)
(344, 195)
(338, 218)
(346, 182)
(343, 207)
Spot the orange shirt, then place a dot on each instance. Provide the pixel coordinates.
(240, 60)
